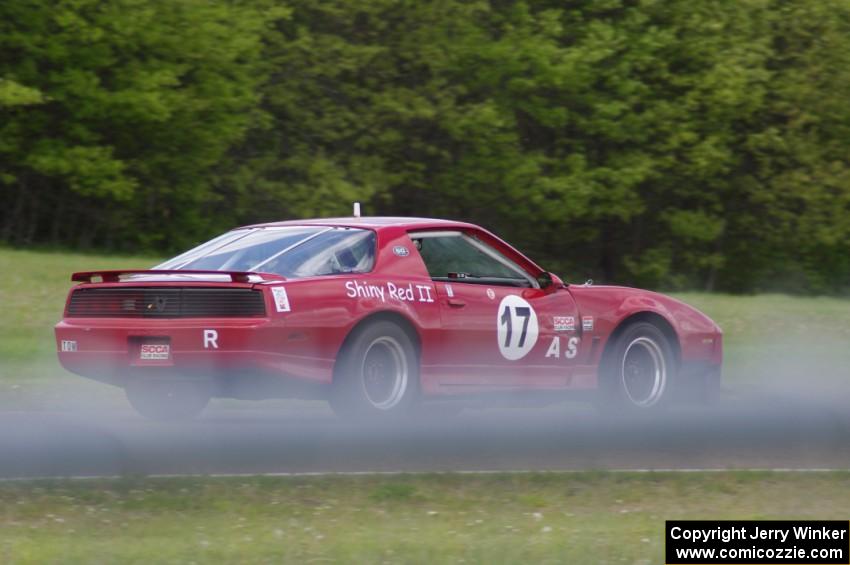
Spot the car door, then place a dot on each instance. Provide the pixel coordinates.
(499, 328)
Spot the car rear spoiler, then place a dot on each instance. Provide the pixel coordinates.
(115, 276)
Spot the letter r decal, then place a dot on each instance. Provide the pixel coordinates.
(210, 339)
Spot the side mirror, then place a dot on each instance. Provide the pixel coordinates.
(548, 281)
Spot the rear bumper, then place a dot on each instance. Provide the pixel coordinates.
(108, 349)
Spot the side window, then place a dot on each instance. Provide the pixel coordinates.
(454, 256)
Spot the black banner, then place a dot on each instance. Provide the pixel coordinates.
(812, 542)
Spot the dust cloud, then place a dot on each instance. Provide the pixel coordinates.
(783, 405)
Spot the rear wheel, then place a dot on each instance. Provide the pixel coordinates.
(377, 374)
(168, 399)
(637, 375)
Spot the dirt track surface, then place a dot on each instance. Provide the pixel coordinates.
(293, 437)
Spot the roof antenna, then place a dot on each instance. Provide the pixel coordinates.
(356, 209)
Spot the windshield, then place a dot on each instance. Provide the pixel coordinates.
(293, 252)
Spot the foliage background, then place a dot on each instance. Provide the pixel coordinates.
(671, 143)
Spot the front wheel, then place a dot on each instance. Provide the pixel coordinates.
(637, 375)
(377, 374)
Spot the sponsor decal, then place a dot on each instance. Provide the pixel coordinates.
(154, 351)
(68, 345)
(491, 294)
(587, 323)
(210, 339)
(389, 291)
(570, 351)
(564, 323)
(401, 251)
(281, 300)
(450, 291)
(517, 327)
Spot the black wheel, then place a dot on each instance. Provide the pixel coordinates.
(637, 376)
(168, 399)
(377, 374)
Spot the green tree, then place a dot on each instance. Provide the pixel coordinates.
(117, 113)
(661, 143)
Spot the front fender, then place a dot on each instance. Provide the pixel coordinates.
(699, 338)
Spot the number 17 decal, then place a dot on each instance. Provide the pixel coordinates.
(517, 327)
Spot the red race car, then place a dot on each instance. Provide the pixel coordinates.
(377, 315)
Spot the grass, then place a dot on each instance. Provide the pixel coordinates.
(33, 289)
(781, 341)
(528, 518)
(542, 518)
(758, 329)
(767, 337)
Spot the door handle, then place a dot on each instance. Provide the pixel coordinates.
(456, 302)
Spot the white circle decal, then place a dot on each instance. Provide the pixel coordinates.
(517, 327)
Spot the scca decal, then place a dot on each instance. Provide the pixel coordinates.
(564, 323)
(154, 351)
(389, 291)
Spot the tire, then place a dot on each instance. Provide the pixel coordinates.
(377, 374)
(168, 399)
(637, 376)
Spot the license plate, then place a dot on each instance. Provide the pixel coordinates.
(155, 352)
